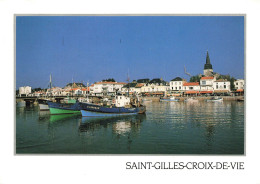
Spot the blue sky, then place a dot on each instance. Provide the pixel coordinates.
(92, 48)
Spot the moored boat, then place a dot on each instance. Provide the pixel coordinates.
(215, 99)
(173, 99)
(123, 106)
(63, 108)
(43, 106)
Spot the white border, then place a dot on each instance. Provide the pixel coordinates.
(101, 169)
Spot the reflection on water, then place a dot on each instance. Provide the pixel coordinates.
(167, 128)
(120, 125)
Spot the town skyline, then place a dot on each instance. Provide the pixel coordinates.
(94, 48)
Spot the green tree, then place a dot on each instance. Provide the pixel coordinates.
(109, 80)
(195, 78)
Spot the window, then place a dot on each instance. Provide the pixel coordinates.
(190, 87)
(179, 87)
(172, 88)
(217, 86)
(203, 82)
(225, 86)
(175, 87)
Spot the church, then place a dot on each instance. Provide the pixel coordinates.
(208, 70)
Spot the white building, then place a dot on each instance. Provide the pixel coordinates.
(206, 83)
(106, 88)
(25, 90)
(191, 86)
(177, 84)
(239, 84)
(221, 85)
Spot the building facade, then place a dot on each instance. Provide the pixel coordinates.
(25, 90)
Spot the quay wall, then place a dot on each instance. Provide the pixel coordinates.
(200, 98)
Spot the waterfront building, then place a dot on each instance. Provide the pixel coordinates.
(208, 70)
(191, 88)
(143, 81)
(106, 88)
(25, 90)
(239, 84)
(206, 84)
(221, 86)
(132, 88)
(155, 87)
(176, 84)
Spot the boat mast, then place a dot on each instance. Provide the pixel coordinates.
(50, 84)
(128, 83)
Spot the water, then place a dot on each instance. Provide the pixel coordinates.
(167, 128)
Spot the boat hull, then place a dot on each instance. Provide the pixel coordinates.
(85, 113)
(97, 110)
(63, 111)
(59, 108)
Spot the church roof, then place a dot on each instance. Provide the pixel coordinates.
(207, 65)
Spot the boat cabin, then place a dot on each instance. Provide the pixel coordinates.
(122, 101)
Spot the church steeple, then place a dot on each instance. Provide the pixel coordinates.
(207, 65)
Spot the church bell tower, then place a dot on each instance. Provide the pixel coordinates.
(208, 71)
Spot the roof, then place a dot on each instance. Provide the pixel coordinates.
(139, 85)
(157, 80)
(191, 92)
(110, 83)
(240, 90)
(143, 80)
(205, 78)
(222, 80)
(191, 84)
(177, 79)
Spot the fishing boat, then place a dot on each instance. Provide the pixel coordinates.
(215, 99)
(63, 108)
(43, 106)
(172, 99)
(122, 105)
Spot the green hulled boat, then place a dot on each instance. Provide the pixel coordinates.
(60, 108)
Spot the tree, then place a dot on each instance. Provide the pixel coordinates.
(109, 80)
(195, 78)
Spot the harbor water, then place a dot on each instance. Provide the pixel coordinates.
(172, 128)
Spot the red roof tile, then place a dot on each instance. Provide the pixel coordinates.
(191, 84)
(204, 78)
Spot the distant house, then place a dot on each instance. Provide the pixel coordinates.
(221, 86)
(239, 84)
(133, 88)
(106, 88)
(191, 88)
(25, 90)
(155, 87)
(206, 83)
(143, 81)
(176, 84)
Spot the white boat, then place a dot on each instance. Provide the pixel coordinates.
(215, 99)
(191, 99)
(173, 99)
